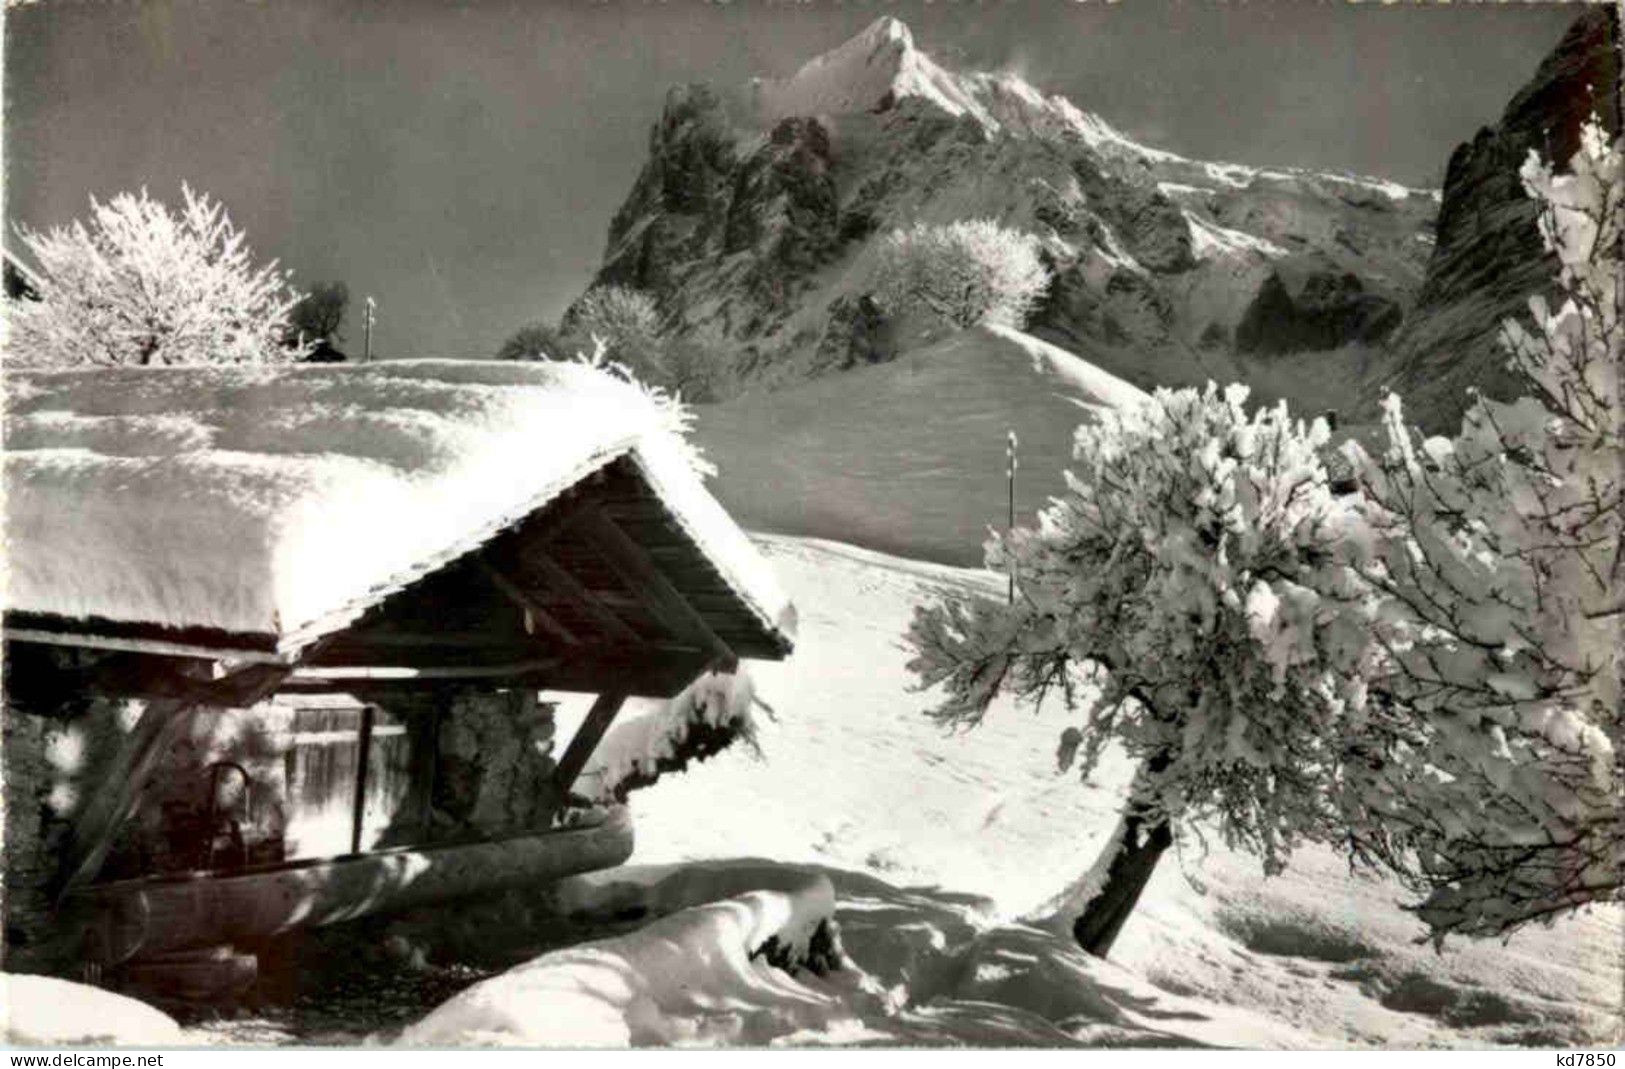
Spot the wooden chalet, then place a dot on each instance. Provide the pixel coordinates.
(259, 610)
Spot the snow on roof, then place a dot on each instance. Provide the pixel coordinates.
(263, 500)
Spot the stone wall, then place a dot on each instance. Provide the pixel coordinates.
(54, 758)
(496, 762)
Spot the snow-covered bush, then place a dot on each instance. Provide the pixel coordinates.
(710, 715)
(538, 341)
(142, 284)
(319, 313)
(628, 322)
(1188, 599)
(1502, 553)
(620, 315)
(966, 273)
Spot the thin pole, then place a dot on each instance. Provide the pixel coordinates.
(363, 759)
(366, 356)
(1010, 476)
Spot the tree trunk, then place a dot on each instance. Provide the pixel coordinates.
(1135, 849)
(1131, 867)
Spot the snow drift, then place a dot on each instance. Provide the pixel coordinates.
(701, 975)
(41, 1011)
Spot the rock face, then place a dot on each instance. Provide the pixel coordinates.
(762, 215)
(1488, 259)
(754, 218)
(1314, 309)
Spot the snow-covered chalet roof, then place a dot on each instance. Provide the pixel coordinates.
(281, 502)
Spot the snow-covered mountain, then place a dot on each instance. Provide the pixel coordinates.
(753, 219)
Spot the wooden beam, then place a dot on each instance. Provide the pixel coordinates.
(533, 609)
(461, 640)
(362, 652)
(570, 589)
(641, 574)
(586, 740)
(410, 672)
(645, 672)
(250, 906)
(162, 723)
(157, 647)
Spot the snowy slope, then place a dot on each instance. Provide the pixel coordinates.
(908, 456)
(935, 842)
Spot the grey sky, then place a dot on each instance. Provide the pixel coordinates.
(461, 161)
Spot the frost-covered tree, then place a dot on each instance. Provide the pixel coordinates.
(1501, 553)
(964, 273)
(143, 284)
(320, 313)
(628, 321)
(619, 314)
(698, 366)
(1188, 600)
(539, 341)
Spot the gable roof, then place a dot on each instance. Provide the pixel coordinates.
(267, 506)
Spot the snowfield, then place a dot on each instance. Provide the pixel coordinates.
(908, 456)
(941, 856)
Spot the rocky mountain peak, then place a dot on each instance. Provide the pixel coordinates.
(882, 67)
(869, 72)
(886, 31)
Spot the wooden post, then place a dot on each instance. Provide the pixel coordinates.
(432, 749)
(363, 756)
(586, 740)
(164, 721)
(161, 724)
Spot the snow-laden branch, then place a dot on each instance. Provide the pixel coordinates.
(1501, 552)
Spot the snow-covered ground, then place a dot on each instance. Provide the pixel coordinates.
(42, 1011)
(935, 846)
(908, 456)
